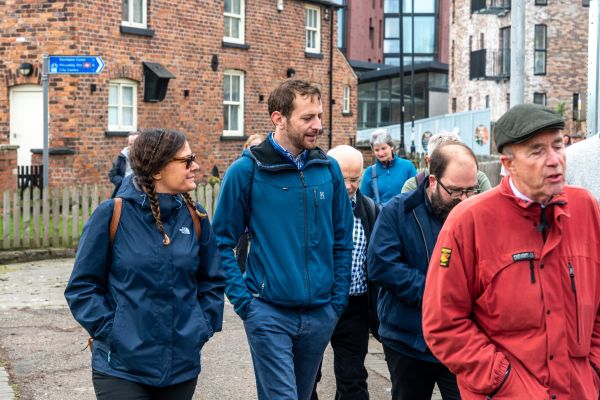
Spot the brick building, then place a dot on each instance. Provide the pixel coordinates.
(555, 59)
(219, 61)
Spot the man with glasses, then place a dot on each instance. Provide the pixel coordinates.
(401, 246)
(512, 299)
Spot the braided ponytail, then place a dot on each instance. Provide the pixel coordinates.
(190, 202)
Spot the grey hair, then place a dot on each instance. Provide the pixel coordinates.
(439, 138)
(381, 136)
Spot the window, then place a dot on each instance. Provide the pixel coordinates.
(233, 103)
(541, 44)
(313, 30)
(585, 3)
(539, 98)
(234, 21)
(504, 51)
(470, 107)
(134, 13)
(122, 105)
(487, 101)
(454, 104)
(576, 107)
(346, 108)
(541, 2)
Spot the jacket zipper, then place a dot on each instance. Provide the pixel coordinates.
(495, 391)
(574, 288)
(306, 237)
(422, 235)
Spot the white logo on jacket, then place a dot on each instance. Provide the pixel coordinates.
(184, 230)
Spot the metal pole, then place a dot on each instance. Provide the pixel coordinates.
(412, 74)
(45, 162)
(517, 40)
(401, 150)
(593, 68)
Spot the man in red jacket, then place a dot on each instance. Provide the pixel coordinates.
(512, 297)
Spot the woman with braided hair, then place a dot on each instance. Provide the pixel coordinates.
(150, 294)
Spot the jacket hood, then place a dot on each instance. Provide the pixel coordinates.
(266, 156)
(131, 191)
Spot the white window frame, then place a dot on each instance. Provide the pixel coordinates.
(240, 103)
(310, 29)
(130, 22)
(346, 99)
(242, 21)
(120, 84)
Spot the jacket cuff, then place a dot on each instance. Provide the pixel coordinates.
(502, 374)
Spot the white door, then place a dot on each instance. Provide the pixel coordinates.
(26, 121)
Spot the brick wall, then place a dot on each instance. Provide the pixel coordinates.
(8, 162)
(566, 57)
(187, 35)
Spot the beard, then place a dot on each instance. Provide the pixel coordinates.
(441, 208)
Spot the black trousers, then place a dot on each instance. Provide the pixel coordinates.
(350, 343)
(414, 379)
(113, 388)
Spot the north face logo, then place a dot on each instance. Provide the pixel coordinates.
(184, 230)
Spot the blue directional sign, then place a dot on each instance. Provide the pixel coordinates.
(75, 65)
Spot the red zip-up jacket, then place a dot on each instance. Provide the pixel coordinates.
(513, 309)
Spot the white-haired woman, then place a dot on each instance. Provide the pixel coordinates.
(384, 179)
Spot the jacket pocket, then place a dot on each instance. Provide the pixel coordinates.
(501, 386)
(578, 306)
(510, 282)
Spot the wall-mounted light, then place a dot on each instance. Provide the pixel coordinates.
(25, 69)
(290, 72)
(279, 5)
(214, 63)
(326, 14)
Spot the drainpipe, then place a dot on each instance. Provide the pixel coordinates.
(331, 100)
(517, 40)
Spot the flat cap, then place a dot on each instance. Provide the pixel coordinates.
(524, 121)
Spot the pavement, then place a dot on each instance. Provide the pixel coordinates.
(42, 356)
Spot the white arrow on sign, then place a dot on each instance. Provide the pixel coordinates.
(100, 64)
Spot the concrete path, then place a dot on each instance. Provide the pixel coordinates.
(41, 346)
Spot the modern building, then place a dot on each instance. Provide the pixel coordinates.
(555, 57)
(205, 69)
(372, 42)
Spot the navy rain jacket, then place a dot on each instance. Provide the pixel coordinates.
(153, 308)
(398, 257)
(300, 224)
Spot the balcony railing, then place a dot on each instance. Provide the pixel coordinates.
(490, 64)
(498, 7)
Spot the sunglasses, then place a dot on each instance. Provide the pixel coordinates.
(188, 160)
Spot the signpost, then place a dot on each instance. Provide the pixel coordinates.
(68, 64)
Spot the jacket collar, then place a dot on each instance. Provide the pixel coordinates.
(265, 156)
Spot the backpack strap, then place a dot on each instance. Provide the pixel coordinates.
(375, 187)
(114, 221)
(195, 218)
(420, 178)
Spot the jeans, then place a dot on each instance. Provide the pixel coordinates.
(287, 345)
(414, 379)
(350, 343)
(112, 388)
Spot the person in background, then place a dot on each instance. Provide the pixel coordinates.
(583, 165)
(350, 339)
(434, 142)
(512, 297)
(121, 166)
(577, 137)
(401, 247)
(241, 249)
(384, 179)
(153, 296)
(293, 201)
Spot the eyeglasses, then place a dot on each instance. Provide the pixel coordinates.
(188, 160)
(458, 193)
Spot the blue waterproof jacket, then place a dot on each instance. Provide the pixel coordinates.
(398, 256)
(300, 224)
(150, 308)
(390, 178)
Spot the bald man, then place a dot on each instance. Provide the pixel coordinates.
(401, 247)
(350, 339)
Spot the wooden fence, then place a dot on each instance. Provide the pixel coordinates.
(55, 217)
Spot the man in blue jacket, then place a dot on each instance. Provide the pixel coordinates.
(293, 200)
(401, 245)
